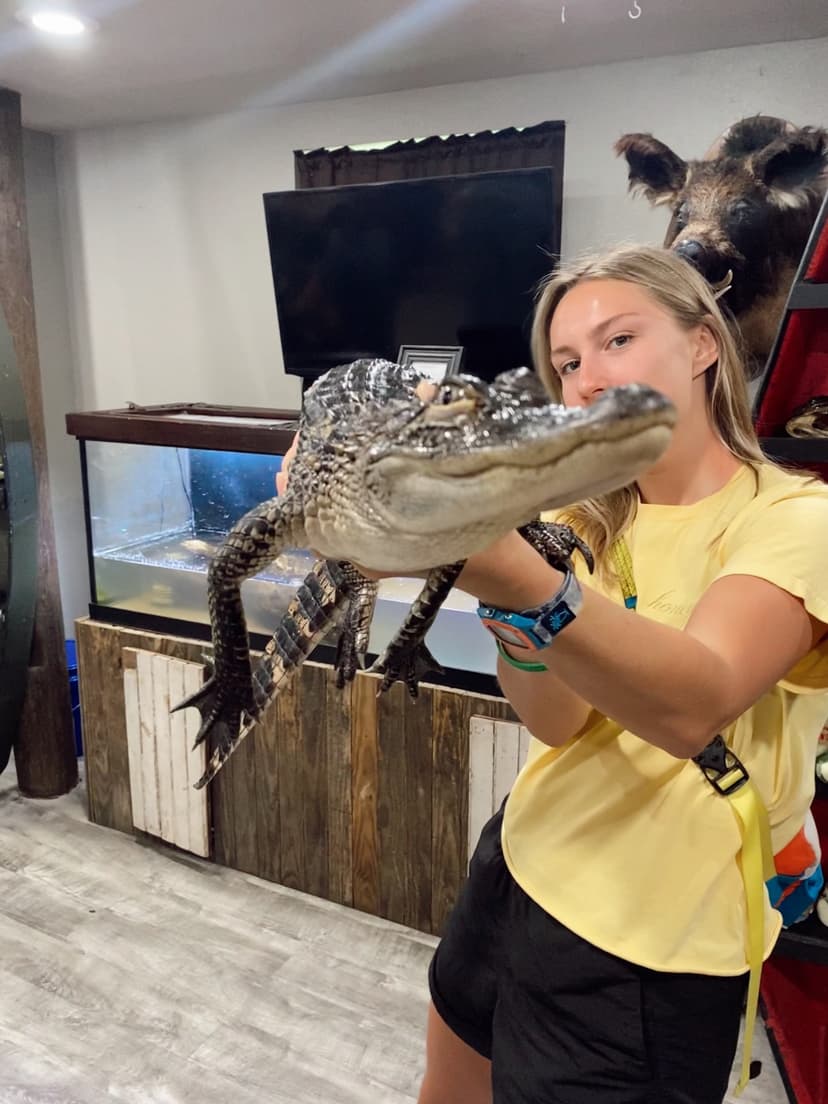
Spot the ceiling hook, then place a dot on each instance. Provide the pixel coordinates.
(635, 11)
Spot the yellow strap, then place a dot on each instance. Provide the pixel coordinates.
(622, 561)
(756, 858)
(756, 861)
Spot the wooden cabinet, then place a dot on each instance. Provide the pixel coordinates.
(341, 794)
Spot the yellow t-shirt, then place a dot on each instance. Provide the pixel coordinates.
(632, 848)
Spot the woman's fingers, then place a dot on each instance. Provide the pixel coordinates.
(426, 390)
(287, 460)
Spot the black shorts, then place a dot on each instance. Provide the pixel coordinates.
(566, 1023)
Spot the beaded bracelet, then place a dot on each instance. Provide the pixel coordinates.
(521, 666)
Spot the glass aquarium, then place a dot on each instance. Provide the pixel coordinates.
(162, 488)
(159, 503)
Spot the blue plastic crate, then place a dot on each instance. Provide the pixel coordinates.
(74, 694)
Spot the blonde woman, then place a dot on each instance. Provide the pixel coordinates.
(599, 951)
(601, 947)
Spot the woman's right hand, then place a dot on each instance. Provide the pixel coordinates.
(287, 460)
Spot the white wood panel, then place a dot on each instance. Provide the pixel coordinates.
(189, 721)
(481, 775)
(506, 748)
(497, 751)
(523, 750)
(159, 668)
(163, 765)
(133, 721)
(148, 754)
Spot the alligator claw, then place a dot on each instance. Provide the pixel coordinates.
(349, 659)
(221, 721)
(557, 543)
(406, 664)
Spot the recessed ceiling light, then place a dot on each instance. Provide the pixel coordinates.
(56, 22)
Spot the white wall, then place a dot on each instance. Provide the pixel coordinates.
(167, 241)
(57, 369)
(168, 272)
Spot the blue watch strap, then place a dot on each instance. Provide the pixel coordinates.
(537, 627)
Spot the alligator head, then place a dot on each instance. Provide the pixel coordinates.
(433, 482)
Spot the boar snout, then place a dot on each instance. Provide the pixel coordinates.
(710, 263)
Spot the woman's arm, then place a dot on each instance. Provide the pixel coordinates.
(674, 688)
(551, 711)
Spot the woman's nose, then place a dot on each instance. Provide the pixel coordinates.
(590, 380)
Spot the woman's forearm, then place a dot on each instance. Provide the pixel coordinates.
(551, 711)
(658, 682)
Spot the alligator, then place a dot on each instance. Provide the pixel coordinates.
(388, 480)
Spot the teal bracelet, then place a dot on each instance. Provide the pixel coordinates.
(521, 666)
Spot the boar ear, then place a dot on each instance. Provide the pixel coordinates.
(794, 166)
(655, 170)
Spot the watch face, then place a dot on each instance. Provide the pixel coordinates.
(558, 618)
(509, 634)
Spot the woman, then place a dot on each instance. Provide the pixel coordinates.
(598, 951)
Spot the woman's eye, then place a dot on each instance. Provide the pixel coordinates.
(569, 366)
(620, 340)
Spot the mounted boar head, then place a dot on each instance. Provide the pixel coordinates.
(748, 206)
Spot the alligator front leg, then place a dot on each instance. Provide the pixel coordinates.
(407, 659)
(254, 541)
(352, 646)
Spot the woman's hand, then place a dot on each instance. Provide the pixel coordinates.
(287, 460)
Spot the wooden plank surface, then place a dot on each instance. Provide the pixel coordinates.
(267, 795)
(365, 786)
(132, 974)
(313, 778)
(135, 974)
(335, 793)
(104, 728)
(338, 798)
(289, 742)
(449, 801)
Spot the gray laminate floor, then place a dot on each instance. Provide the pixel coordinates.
(133, 973)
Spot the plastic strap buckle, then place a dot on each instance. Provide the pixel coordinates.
(722, 767)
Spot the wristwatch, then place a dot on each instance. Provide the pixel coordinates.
(535, 628)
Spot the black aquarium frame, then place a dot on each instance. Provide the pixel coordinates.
(205, 427)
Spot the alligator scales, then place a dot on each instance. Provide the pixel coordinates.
(387, 480)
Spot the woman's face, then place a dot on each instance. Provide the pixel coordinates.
(605, 333)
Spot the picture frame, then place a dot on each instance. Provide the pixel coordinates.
(434, 361)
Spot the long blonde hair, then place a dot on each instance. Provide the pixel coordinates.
(679, 289)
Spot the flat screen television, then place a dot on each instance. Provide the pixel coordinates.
(363, 269)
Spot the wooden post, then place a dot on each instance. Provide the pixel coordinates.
(44, 749)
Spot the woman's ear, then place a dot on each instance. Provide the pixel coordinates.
(706, 350)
